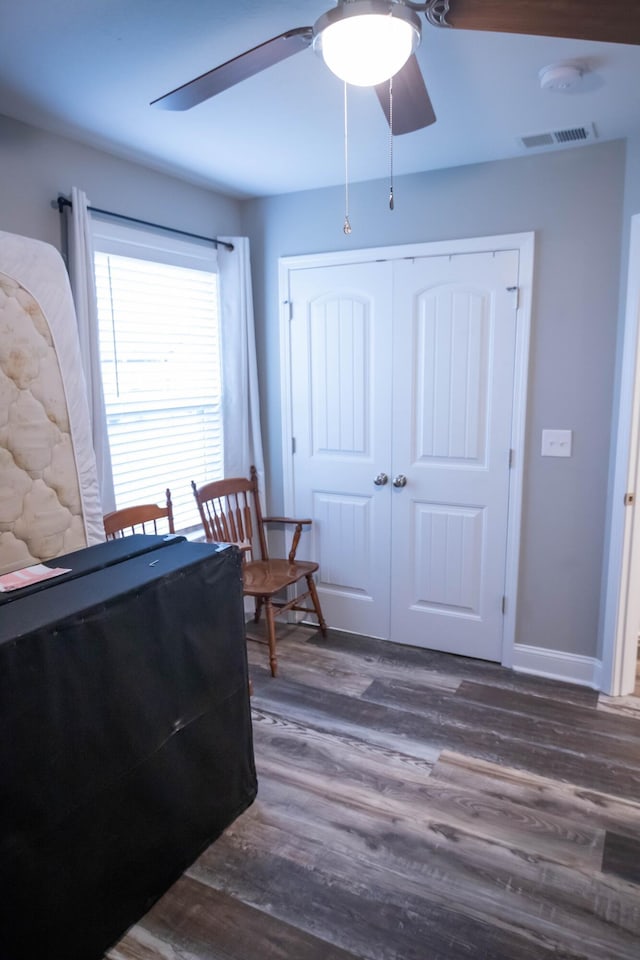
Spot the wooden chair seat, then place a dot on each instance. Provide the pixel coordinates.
(270, 576)
(230, 512)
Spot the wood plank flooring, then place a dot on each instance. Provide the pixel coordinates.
(417, 806)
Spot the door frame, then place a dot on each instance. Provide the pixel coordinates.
(524, 243)
(622, 607)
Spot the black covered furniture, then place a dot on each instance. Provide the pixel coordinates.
(125, 738)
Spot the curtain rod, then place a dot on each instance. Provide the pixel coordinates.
(62, 202)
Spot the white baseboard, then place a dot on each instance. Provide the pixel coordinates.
(556, 665)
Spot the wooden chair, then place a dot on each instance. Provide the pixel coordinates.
(230, 513)
(143, 518)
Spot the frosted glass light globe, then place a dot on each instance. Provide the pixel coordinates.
(368, 49)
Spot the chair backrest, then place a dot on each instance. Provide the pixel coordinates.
(230, 513)
(143, 518)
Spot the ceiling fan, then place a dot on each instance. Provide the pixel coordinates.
(615, 21)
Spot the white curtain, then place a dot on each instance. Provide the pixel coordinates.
(241, 407)
(81, 272)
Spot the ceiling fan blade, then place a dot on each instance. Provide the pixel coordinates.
(608, 21)
(245, 65)
(412, 108)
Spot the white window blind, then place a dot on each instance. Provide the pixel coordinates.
(160, 358)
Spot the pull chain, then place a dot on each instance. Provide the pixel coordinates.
(347, 223)
(391, 143)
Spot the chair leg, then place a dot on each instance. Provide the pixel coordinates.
(258, 611)
(271, 635)
(316, 605)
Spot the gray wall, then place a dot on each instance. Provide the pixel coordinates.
(632, 179)
(36, 166)
(631, 206)
(619, 448)
(573, 200)
(577, 201)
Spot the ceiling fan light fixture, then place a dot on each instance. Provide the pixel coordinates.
(365, 42)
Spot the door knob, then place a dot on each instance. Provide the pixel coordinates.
(381, 479)
(400, 480)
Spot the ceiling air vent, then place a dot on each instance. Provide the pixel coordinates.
(538, 140)
(553, 137)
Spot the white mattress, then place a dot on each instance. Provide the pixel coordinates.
(49, 496)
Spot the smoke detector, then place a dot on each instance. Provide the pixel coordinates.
(561, 76)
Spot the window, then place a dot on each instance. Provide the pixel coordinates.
(160, 357)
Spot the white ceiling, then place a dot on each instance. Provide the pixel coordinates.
(89, 70)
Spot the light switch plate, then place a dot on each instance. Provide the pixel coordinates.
(556, 443)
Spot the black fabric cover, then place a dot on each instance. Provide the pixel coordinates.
(81, 562)
(125, 743)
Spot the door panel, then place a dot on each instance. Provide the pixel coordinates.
(449, 367)
(447, 559)
(346, 526)
(340, 359)
(452, 429)
(341, 383)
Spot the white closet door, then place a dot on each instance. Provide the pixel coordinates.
(341, 412)
(405, 368)
(454, 348)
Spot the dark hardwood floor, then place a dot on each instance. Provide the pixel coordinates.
(417, 806)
